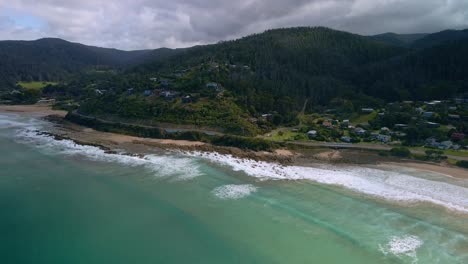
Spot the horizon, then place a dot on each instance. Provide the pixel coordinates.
(151, 24)
(240, 37)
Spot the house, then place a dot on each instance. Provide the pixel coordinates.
(457, 136)
(164, 82)
(267, 117)
(130, 91)
(432, 125)
(153, 79)
(253, 120)
(419, 110)
(46, 101)
(312, 134)
(148, 93)
(432, 142)
(452, 108)
(384, 138)
(327, 124)
(454, 117)
(345, 139)
(100, 91)
(186, 99)
(427, 114)
(344, 123)
(169, 95)
(212, 85)
(379, 137)
(13, 92)
(385, 130)
(399, 134)
(445, 144)
(360, 131)
(434, 102)
(401, 126)
(367, 110)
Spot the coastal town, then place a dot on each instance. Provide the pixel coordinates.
(435, 124)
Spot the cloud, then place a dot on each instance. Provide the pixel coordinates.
(138, 24)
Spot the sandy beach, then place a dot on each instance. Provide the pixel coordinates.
(36, 110)
(447, 170)
(139, 145)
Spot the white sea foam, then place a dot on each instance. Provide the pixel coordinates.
(166, 166)
(233, 191)
(12, 121)
(403, 246)
(384, 184)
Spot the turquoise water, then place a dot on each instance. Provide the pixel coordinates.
(62, 203)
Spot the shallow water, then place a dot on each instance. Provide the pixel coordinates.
(65, 203)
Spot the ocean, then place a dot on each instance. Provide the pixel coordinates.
(65, 203)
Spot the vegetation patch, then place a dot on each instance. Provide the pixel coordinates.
(462, 163)
(35, 85)
(400, 152)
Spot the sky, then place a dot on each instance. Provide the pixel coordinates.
(145, 24)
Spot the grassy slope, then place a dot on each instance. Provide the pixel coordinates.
(361, 119)
(35, 85)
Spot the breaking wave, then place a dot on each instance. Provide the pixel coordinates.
(389, 185)
(404, 246)
(166, 166)
(233, 191)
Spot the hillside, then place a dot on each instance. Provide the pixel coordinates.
(298, 62)
(401, 40)
(321, 63)
(441, 38)
(437, 72)
(52, 59)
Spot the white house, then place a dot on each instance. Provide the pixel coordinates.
(312, 134)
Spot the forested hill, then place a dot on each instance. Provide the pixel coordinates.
(52, 59)
(294, 62)
(441, 38)
(321, 63)
(402, 40)
(297, 63)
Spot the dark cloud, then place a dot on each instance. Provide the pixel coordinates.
(136, 24)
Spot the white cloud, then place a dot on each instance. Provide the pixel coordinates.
(137, 24)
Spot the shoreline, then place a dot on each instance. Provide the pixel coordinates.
(38, 110)
(306, 157)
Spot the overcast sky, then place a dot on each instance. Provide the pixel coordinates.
(141, 24)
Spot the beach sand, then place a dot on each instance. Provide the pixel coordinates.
(36, 110)
(444, 169)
